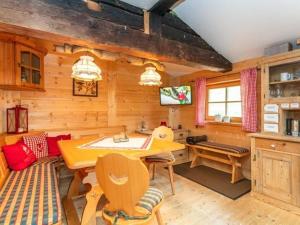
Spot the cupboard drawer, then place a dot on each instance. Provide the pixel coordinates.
(181, 156)
(180, 135)
(276, 145)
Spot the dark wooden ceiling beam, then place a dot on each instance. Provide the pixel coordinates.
(163, 6)
(64, 21)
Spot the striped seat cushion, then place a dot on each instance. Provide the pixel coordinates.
(228, 148)
(151, 198)
(165, 157)
(31, 196)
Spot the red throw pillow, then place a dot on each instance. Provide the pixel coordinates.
(18, 156)
(53, 148)
(38, 144)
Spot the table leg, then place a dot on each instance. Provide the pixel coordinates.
(75, 185)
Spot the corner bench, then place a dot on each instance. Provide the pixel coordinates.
(222, 153)
(30, 196)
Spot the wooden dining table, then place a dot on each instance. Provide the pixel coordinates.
(83, 161)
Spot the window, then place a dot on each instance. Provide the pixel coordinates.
(224, 100)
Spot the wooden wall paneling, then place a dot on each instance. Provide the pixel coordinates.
(121, 100)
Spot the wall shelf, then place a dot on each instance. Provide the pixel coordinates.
(285, 82)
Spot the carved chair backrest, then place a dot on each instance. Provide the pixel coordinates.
(163, 133)
(124, 181)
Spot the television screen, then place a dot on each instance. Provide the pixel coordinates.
(176, 95)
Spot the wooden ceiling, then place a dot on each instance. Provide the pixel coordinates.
(116, 26)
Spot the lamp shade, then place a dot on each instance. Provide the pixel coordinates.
(85, 69)
(150, 77)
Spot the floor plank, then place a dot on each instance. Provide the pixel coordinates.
(194, 204)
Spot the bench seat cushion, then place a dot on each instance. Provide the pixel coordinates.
(151, 198)
(229, 148)
(31, 196)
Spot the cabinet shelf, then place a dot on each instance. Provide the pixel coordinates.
(285, 82)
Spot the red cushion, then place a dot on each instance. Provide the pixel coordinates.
(18, 156)
(38, 144)
(53, 148)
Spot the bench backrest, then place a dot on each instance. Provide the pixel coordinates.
(75, 133)
(4, 171)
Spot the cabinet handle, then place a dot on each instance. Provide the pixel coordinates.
(273, 146)
(283, 144)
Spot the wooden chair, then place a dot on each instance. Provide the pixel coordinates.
(125, 184)
(168, 159)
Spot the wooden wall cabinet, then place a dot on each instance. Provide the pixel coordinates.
(275, 156)
(21, 67)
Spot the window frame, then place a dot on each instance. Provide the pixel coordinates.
(221, 85)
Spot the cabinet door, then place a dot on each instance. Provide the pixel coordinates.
(7, 63)
(29, 67)
(279, 176)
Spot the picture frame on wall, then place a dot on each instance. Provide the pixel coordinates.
(85, 88)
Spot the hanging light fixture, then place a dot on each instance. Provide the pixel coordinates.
(150, 77)
(85, 69)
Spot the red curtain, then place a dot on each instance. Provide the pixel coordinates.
(249, 100)
(200, 101)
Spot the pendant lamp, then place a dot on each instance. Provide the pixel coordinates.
(150, 77)
(85, 69)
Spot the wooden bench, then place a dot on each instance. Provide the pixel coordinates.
(30, 196)
(227, 154)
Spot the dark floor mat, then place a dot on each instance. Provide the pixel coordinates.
(214, 179)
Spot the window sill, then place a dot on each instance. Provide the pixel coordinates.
(233, 124)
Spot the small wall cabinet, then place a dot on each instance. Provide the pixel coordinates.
(22, 66)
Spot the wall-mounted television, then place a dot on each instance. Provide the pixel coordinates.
(181, 95)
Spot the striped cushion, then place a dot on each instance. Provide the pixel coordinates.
(228, 148)
(151, 198)
(165, 157)
(31, 197)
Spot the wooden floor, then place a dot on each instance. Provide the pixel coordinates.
(194, 204)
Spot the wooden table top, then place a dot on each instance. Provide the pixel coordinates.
(77, 158)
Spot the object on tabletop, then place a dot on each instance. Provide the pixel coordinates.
(163, 123)
(17, 120)
(120, 138)
(192, 140)
(285, 76)
(226, 119)
(218, 118)
(143, 126)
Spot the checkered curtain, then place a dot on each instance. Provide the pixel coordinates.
(200, 101)
(249, 100)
